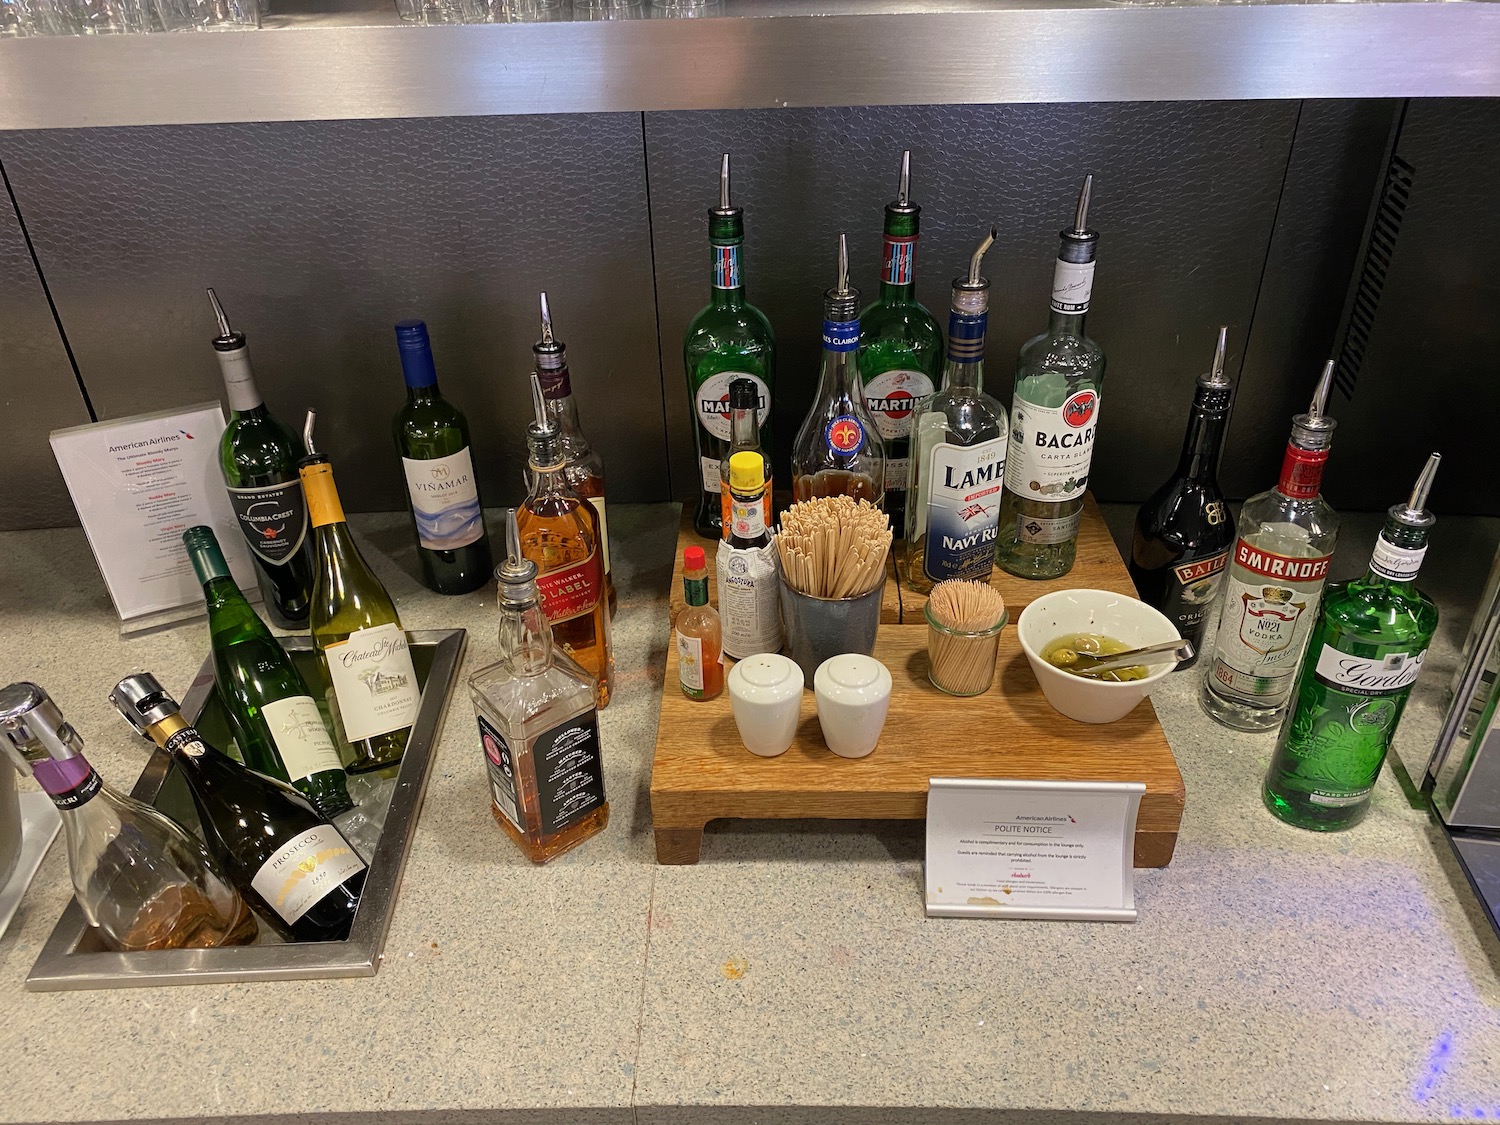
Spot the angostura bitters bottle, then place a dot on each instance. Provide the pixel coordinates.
(729, 339)
(900, 347)
(538, 725)
(280, 853)
(139, 877)
(585, 468)
(258, 459)
(1054, 415)
(1366, 653)
(1183, 531)
(560, 533)
(838, 451)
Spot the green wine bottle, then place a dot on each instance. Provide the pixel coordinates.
(272, 715)
(284, 858)
(258, 459)
(432, 437)
(1366, 653)
(360, 642)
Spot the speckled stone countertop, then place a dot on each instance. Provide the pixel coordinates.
(791, 977)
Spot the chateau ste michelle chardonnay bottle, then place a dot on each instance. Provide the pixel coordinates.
(282, 855)
(258, 459)
(359, 636)
(273, 716)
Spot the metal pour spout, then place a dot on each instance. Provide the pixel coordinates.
(546, 320)
(1216, 376)
(539, 404)
(1081, 217)
(975, 278)
(903, 192)
(224, 329)
(1320, 392)
(842, 289)
(724, 184)
(307, 432)
(1417, 505)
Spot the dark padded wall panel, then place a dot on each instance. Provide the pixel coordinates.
(1185, 199)
(319, 236)
(38, 392)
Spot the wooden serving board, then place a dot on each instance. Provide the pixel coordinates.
(702, 772)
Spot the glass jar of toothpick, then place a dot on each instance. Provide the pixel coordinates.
(964, 620)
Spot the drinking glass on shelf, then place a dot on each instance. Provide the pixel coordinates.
(609, 10)
(527, 11)
(686, 9)
(208, 15)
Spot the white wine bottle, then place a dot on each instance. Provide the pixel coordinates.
(359, 638)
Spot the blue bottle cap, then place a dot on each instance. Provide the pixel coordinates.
(416, 353)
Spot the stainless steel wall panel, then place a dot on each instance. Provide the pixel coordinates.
(319, 237)
(1185, 197)
(38, 392)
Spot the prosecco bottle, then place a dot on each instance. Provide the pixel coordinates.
(272, 715)
(1183, 532)
(258, 460)
(432, 437)
(283, 856)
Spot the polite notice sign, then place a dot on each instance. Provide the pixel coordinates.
(139, 483)
(1031, 849)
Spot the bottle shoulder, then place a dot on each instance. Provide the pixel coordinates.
(418, 425)
(1075, 357)
(741, 325)
(1271, 512)
(556, 694)
(1379, 612)
(253, 447)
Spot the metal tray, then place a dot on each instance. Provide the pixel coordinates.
(74, 957)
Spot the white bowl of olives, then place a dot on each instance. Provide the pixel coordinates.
(1059, 632)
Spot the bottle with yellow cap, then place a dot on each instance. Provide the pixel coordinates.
(360, 642)
(744, 444)
(748, 581)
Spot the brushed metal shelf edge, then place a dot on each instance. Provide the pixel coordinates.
(1093, 51)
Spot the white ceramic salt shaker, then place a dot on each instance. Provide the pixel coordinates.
(765, 694)
(854, 694)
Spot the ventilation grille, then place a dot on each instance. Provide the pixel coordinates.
(1379, 250)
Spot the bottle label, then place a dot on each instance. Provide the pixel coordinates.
(300, 736)
(185, 740)
(1390, 674)
(1044, 530)
(713, 407)
(1340, 800)
(747, 515)
(1302, 472)
(569, 773)
(80, 794)
(844, 435)
(1192, 591)
(571, 591)
(239, 380)
(749, 589)
(597, 503)
(897, 474)
(323, 506)
(966, 335)
(900, 259)
(444, 500)
(727, 266)
(1399, 564)
(1284, 568)
(500, 764)
(373, 681)
(1051, 447)
(963, 509)
(1072, 285)
(304, 870)
(690, 663)
(709, 467)
(891, 398)
(273, 519)
(840, 335)
(1270, 607)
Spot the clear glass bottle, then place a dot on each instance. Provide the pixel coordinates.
(1364, 657)
(560, 534)
(1054, 416)
(700, 671)
(141, 879)
(958, 451)
(838, 451)
(585, 468)
(1270, 602)
(538, 725)
(900, 346)
(744, 437)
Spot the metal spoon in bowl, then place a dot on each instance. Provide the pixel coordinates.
(1087, 663)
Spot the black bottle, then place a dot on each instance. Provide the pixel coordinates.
(1183, 532)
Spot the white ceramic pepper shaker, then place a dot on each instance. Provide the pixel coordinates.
(765, 694)
(854, 695)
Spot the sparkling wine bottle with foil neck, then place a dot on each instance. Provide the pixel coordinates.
(142, 880)
(1364, 657)
(297, 869)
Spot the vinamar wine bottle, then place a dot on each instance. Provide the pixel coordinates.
(360, 641)
(729, 339)
(1183, 532)
(138, 877)
(282, 855)
(273, 716)
(1366, 653)
(258, 459)
(432, 437)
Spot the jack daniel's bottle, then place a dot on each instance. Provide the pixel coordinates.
(1183, 533)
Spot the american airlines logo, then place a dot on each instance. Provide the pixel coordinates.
(1279, 566)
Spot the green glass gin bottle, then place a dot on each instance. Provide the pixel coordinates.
(1366, 653)
(729, 339)
(900, 346)
(1053, 416)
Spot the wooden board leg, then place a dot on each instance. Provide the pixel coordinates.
(679, 845)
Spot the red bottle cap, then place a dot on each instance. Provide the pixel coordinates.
(693, 558)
